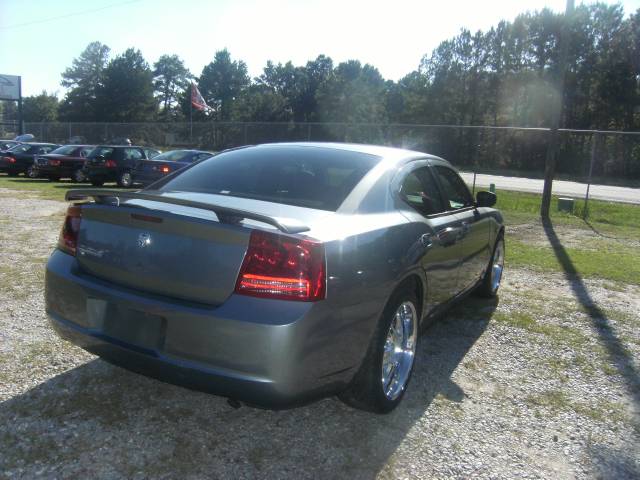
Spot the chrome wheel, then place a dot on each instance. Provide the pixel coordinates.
(126, 179)
(78, 176)
(399, 350)
(498, 265)
(32, 172)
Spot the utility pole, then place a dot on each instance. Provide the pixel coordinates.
(20, 119)
(552, 147)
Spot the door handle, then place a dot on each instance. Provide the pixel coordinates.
(426, 240)
(464, 229)
(448, 236)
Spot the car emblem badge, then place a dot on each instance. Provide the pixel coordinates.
(144, 240)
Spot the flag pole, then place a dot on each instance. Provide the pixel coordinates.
(191, 115)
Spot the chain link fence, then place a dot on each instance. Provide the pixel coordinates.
(604, 157)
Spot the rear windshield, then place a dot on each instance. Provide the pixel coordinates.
(66, 150)
(20, 148)
(101, 151)
(312, 177)
(174, 156)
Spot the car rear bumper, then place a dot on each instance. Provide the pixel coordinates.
(103, 173)
(145, 178)
(48, 170)
(270, 353)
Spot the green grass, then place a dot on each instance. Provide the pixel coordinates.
(613, 255)
(40, 187)
(615, 262)
(527, 206)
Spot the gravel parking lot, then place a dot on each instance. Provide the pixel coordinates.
(543, 383)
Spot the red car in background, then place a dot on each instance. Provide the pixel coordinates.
(63, 162)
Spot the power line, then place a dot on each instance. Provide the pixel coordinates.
(74, 14)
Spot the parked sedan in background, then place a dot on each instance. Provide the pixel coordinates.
(20, 158)
(7, 144)
(109, 163)
(63, 162)
(275, 273)
(148, 171)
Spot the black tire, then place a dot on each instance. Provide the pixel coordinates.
(13, 174)
(125, 179)
(53, 178)
(365, 391)
(488, 288)
(78, 176)
(96, 182)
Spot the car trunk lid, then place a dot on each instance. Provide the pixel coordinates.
(168, 245)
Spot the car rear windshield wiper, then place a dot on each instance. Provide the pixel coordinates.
(224, 214)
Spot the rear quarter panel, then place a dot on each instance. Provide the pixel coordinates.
(363, 270)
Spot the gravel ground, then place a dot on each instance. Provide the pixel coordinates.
(543, 383)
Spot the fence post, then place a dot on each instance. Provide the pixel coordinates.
(594, 141)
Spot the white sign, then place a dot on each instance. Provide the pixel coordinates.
(9, 87)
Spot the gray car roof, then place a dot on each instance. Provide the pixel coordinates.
(387, 153)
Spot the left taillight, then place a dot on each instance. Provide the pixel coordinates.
(68, 240)
(10, 159)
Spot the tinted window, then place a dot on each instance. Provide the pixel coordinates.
(133, 154)
(174, 156)
(421, 192)
(66, 150)
(304, 176)
(200, 156)
(101, 151)
(84, 152)
(150, 153)
(20, 148)
(454, 188)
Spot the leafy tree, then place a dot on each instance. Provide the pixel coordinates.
(40, 108)
(171, 78)
(127, 91)
(222, 81)
(84, 78)
(260, 103)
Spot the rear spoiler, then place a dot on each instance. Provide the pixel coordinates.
(224, 214)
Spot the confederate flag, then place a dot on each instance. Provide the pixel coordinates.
(196, 99)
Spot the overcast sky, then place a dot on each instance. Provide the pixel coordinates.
(40, 38)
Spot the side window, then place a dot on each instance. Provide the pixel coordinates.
(133, 154)
(421, 192)
(85, 151)
(454, 188)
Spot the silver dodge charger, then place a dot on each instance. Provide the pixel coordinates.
(275, 274)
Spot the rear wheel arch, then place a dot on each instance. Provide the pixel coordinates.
(414, 284)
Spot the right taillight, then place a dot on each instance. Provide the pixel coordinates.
(68, 240)
(278, 266)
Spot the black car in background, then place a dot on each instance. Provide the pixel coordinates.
(64, 162)
(109, 163)
(7, 144)
(148, 171)
(20, 158)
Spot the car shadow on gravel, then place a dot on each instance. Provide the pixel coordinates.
(100, 421)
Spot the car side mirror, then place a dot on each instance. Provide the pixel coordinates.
(486, 199)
